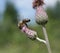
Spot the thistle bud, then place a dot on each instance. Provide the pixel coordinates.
(41, 16)
(41, 20)
(32, 35)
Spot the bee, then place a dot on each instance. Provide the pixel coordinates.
(23, 22)
(22, 25)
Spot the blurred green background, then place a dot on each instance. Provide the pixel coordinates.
(12, 40)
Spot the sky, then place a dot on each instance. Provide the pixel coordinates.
(24, 7)
(2, 5)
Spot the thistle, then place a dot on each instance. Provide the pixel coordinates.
(41, 19)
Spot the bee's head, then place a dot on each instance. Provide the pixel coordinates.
(26, 20)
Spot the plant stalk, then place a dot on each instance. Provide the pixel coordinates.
(46, 38)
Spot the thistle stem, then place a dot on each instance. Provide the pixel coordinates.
(40, 40)
(46, 38)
